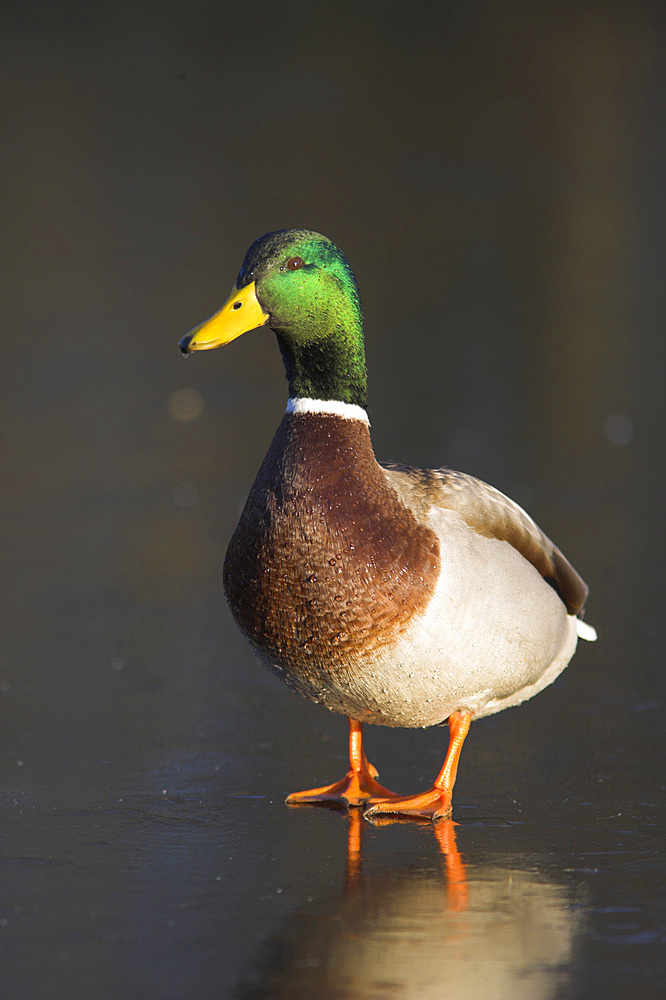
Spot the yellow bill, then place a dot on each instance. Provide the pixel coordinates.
(239, 314)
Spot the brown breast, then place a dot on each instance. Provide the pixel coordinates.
(326, 563)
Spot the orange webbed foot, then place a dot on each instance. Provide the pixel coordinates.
(435, 804)
(432, 805)
(357, 787)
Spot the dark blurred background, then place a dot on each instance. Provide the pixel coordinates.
(495, 174)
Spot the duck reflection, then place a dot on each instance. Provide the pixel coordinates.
(454, 868)
(421, 932)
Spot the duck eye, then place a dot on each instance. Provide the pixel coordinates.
(294, 263)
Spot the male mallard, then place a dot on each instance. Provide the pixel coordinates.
(397, 596)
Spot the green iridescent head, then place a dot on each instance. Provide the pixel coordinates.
(301, 285)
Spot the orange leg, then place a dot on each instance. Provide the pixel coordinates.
(358, 785)
(434, 804)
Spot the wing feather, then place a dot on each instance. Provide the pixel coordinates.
(489, 512)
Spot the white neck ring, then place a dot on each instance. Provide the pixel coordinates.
(350, 411)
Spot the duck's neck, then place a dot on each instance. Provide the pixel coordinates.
(331, 364)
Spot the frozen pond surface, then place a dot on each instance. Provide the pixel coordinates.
(146, 850)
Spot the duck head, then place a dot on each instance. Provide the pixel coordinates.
(299, 284)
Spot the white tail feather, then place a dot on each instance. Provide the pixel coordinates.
(585, 631)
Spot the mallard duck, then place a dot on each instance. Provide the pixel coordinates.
(395, 596)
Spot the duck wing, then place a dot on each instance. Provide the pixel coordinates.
(491, 514)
